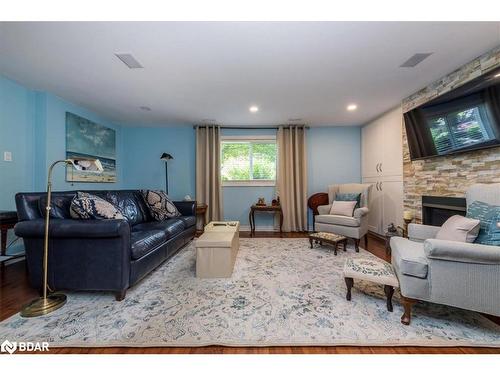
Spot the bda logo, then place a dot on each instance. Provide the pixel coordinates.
(9, 347)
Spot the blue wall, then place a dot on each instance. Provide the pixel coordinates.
(143, 167)
(50, 143)
(32, 126)
(17, 107)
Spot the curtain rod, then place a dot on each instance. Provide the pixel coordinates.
(251, 127)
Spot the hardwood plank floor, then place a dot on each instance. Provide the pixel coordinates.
(15, 291)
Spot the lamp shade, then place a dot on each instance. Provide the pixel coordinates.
(166, 156)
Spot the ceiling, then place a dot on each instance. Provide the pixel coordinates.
(195, 71)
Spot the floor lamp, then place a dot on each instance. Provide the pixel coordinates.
(166, 157)
(53, 301)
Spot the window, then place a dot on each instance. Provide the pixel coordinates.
(248, 161)
(460, 129)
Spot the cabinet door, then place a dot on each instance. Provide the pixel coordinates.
(375, 206)
(392, 193)
(371, 151)
(392, 143)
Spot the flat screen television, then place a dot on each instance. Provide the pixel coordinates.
(464, 119)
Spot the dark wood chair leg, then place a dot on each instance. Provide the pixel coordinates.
(120, 296)
(389, 292)
(366, 241)
(311, 242)
(407, 304)
(349, 282)
(356, 244)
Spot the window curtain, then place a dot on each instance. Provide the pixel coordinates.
(292, 177)
(208, 180)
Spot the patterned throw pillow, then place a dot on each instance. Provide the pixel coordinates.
(349, 197)
(160, 206)
(87, 206)
(489, 216)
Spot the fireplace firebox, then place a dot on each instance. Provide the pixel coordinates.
(436, 210)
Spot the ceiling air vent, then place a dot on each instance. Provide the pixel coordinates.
(415, 60)
(129, 60)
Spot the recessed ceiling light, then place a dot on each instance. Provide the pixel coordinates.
(145, 108)
(253, 109)
(497, 75)
(208, 120)
(352, 107)
(294, 119)
(129, 60)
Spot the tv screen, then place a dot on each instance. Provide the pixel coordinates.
(464, 119)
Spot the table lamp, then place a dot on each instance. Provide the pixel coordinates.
(53, 301)
(408, 218)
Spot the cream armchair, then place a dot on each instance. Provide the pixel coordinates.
(355, 227)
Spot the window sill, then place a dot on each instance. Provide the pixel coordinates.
(249, 183)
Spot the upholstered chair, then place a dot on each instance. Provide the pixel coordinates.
(464, 275)
(355, 227)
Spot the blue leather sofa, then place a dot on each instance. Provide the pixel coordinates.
(99, 255)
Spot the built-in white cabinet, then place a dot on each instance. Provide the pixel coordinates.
(382, 166)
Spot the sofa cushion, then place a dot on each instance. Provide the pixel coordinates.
(188, 221)
(143, 242)
(129, 202)
(170, 227)
(159, 204)
(59, 206)
(338, 220)
(409, 257)
(87, 206)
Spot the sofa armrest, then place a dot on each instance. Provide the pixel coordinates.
(67, 228)
(360, 212)
(462, 252)
(186, 208)
(420, 232)
(324, 210)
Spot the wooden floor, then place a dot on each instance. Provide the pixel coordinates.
(15, 291)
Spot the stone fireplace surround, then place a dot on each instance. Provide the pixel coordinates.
(448, 176)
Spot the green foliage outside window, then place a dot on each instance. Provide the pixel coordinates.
(248, 160)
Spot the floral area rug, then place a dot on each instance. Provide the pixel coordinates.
(281, 293)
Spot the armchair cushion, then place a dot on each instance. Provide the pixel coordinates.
(349, 197)
(459, 228)
(462, 252)
(409, 257)
(338, 220)
(343, 208)
(420, 232)
(489, 216)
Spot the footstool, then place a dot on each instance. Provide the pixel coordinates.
(374, 270)
(330, 238)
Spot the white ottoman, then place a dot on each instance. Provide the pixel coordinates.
(216, 252)
(373, 270)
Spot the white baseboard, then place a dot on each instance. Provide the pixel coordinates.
(259, 228)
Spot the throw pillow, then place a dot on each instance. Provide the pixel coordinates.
(459, 228)
(343, 208)
(349, 197)
(489, 216)
(88, 206)
(160, 206)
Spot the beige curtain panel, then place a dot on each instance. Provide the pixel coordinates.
(208, 180)
(292, 177)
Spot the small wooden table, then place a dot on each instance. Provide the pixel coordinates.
(329, 238)
(274, 209)
(8, 219)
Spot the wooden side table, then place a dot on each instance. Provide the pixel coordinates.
(315, 200)
(7, 221)
(201, 210)
(274, 209)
